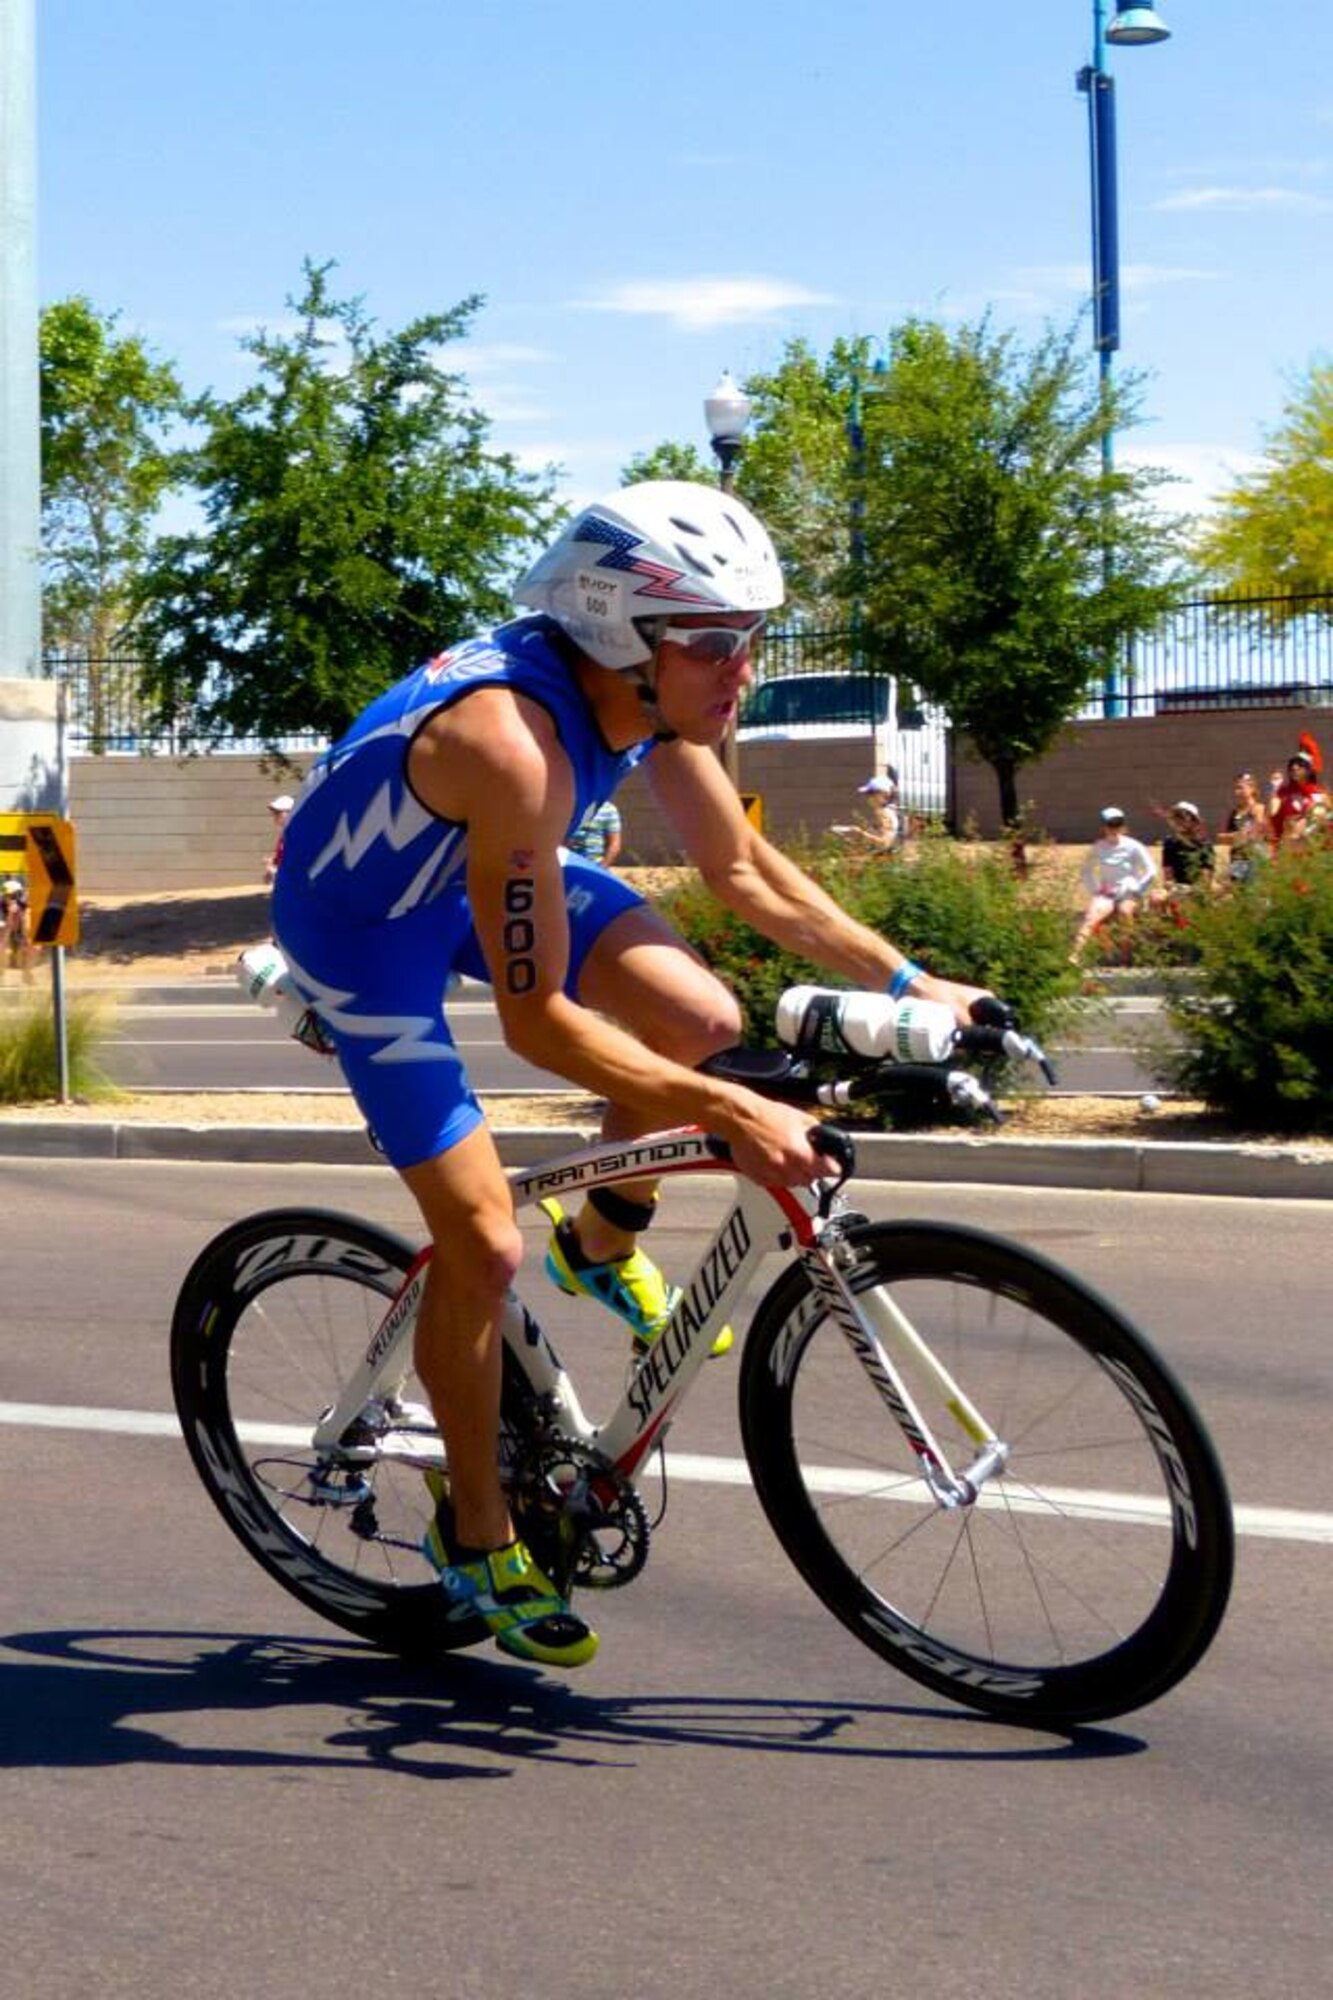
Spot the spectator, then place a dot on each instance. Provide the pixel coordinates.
(1117, 872)
(1187, 852)
(1298, 804)
(597, 836)
(280, 809)
(14, 919)
(1245, 835)
(887, 828)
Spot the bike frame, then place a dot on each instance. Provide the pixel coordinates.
(804, 1221)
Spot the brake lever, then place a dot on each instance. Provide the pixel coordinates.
(836, 1146)
(1003, 1036)
(1022, 1048)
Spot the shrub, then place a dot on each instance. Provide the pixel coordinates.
(28, 1065)
(1256, 1036)
(966, 916)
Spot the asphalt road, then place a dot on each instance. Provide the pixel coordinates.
(210, 1793)
(234, 1045)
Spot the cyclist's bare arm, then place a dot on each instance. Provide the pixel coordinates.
(758, 882)
(494, 761)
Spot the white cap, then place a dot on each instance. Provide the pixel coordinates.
(1187, 806)
(1111, 815)
(11, 887)
(282, 804)
(878, 785)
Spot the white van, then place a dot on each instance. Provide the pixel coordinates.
(810, 707)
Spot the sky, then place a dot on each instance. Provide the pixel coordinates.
(646, 196)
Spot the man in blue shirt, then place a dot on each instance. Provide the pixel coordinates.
(597, 837)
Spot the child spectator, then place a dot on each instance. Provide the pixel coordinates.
(1117, 872)
(17, 943)
(279, 808)
(1187, 852)
(887, 827)
(1245, 835)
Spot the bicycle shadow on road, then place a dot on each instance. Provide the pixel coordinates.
(84, 1699)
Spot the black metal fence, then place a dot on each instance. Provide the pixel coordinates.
(1212, 652)
(1227, 652)
(108, 714)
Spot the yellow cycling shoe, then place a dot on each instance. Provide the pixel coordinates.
(631, 1287)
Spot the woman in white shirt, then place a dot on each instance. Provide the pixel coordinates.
(1117, 871)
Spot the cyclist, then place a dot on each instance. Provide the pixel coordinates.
(428, 842)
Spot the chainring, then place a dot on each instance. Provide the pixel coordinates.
(581, 1518)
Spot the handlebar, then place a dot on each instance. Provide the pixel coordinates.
(821, 1068)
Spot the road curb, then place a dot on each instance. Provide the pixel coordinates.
(1284, 1173)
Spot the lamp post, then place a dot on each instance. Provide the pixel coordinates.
(727, 413)
(1131, 27)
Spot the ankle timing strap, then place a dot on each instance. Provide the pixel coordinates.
(620, 1212)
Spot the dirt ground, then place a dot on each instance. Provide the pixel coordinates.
(135, 940)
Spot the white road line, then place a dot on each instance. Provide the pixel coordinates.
(1276, 1524)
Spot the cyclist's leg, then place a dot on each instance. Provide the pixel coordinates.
(642, 974)
(466, 1205)
(636, 970)
(379, 991)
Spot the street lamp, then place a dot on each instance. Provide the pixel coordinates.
(1131, 27)
(727, 413)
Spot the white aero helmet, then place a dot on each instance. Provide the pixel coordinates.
(645, 552)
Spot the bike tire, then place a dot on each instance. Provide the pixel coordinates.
(272, 1317)
(1090, 1576)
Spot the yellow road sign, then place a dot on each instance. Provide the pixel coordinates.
(53, 910)
(14, 839)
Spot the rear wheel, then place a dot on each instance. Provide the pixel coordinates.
(272, 1320)
(1092, 1572)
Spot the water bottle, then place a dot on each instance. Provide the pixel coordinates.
(264, 977)
(867, 1024)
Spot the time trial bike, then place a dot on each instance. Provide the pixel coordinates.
(974, 1460)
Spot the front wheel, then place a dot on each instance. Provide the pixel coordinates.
(1088, 1577)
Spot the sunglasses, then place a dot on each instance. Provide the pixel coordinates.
(713, 645)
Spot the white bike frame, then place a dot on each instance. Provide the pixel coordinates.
(761, 1220)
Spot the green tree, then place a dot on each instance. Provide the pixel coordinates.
(669, 461)
(1273, 533)
(794, 471)
(107, 407)
(800, 473)
(1003, 567)
(354, 520)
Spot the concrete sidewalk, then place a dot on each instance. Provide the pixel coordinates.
(1121, 1165)
(1282, 1172)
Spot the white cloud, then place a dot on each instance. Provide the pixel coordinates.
(491, 357)
(1248, 201)
(1201, 473)
(697, 304)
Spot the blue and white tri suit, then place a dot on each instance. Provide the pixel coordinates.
(370, 901)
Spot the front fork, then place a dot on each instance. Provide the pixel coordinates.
(885, 1342)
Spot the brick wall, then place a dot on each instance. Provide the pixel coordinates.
(1142, 765)
(805, 788)
(146, 823)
